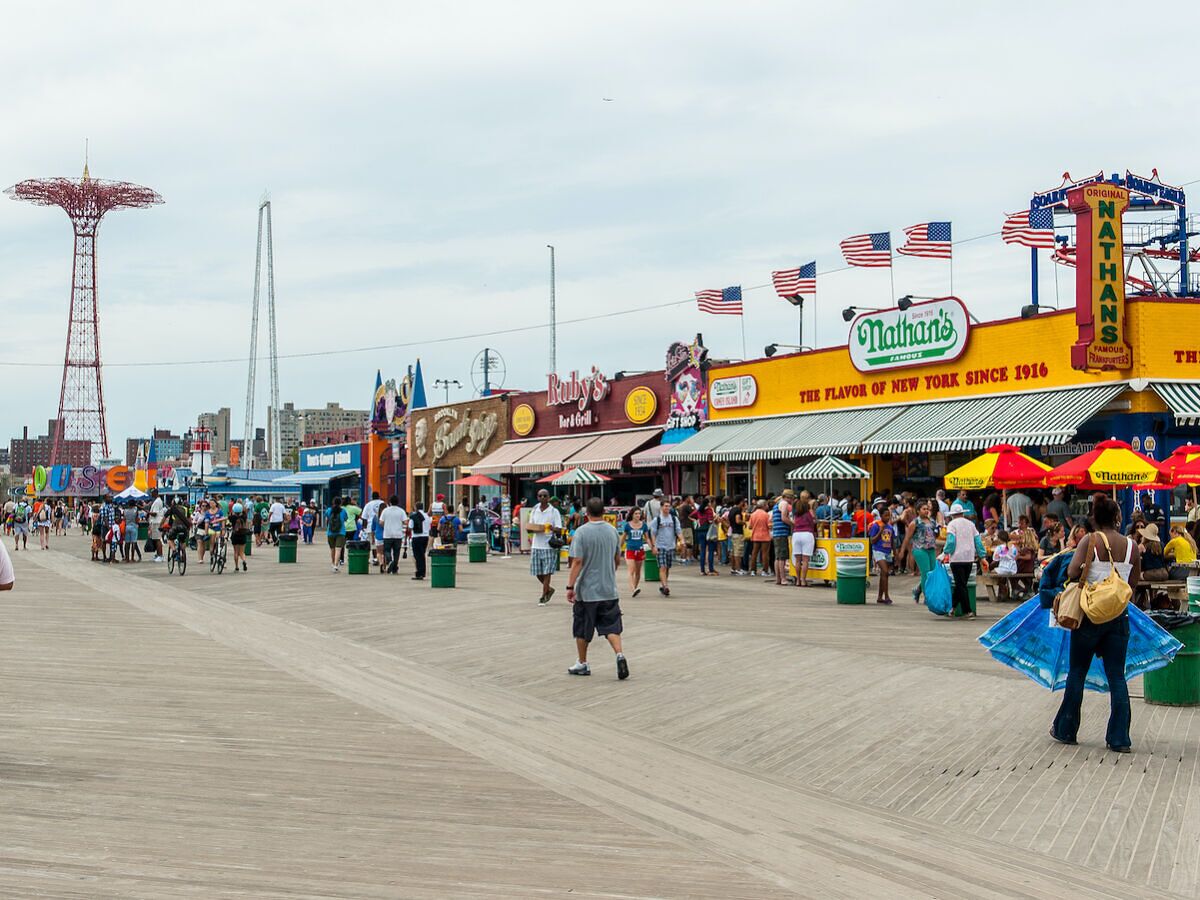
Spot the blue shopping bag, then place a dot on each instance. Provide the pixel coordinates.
(939, 595)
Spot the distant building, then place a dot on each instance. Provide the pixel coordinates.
(310, 426)
(25, 452)
(167, 446)
(218, 427)
(335, 436)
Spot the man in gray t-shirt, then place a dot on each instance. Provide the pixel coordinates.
(592, 588)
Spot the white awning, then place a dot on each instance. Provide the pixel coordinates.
(310, 478)
(551, 455)
(608, 450)
(1026, 419)
(651, 457)
(500, 461)
(1184, 400)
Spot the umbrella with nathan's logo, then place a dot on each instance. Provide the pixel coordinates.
(1003, 466)
(1111, 464)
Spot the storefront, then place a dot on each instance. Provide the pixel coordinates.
(445, 443)
(588, 420)
(335, 470)
(917, 391)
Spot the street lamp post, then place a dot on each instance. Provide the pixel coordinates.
(446, 383)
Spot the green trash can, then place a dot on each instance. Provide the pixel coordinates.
(851, 580)
(287, 548)
(476, 547)
(1193, 593)
(1177, 684)
(650, 568)
(249, 545)
(358, 557)
(442, 563)
(143, 532)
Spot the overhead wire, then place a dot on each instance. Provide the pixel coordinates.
(518, 329)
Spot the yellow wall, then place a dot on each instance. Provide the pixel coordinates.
(1013, 355)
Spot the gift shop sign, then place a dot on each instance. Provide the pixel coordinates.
(930, 332)
(579, 393)
(733, 393)
(1099, 278)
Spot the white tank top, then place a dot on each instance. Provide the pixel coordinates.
(1101, 569)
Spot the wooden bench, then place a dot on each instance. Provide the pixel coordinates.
(992, 580)
(1143, 591)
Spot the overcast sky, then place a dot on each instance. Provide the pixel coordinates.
(420, 157)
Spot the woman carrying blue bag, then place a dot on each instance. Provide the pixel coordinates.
(1029, 640)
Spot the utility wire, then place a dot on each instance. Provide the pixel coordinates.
(519, 329)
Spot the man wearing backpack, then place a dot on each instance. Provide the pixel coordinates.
(335, 531)
(21, 513)
(667, 532)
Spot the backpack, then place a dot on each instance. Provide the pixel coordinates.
(336, 518)
(19, 513)
(446, 531)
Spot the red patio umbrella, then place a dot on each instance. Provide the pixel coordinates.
(477, 481)
(1111, 464)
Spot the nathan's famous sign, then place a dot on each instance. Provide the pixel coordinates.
(1099, 277)
(935, 331)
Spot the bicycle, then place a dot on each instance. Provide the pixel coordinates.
(216, 556)
(177, 559)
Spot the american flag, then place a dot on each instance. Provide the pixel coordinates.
(721, 303)
(873, 250)
(1030, 228)
(927, 239)
(801, 282)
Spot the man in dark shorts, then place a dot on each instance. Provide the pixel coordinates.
(592, 588)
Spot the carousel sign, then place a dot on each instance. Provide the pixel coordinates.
(931, 332)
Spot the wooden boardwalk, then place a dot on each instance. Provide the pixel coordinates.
(289, 733)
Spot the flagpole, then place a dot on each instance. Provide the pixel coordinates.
(951, 272)
(742, 319)
(891, 271)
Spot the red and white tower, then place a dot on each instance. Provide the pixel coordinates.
(81, 399)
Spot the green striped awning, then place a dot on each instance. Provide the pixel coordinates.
(784, 437)
(1028, 419)
(828, 468)
(1184, 400)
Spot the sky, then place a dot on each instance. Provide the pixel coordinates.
(420, 158)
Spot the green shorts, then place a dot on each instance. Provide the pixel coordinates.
(336, 541)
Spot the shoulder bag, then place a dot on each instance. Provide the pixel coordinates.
(1106, 600)
(1068, 606)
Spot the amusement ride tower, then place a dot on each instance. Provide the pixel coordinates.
(85, 201)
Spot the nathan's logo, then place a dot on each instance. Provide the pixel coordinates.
(1099, 277)
(924, 333)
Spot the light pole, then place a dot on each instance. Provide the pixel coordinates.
(553, 323)
(446, 383)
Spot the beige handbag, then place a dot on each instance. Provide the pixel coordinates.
(1068, 608)
(1106, 600)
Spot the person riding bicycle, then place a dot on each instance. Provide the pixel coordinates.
(177, 523)
(216, 524)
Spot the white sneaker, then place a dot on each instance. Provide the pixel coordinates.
(333, 569)
(580, 669)
(158, 559)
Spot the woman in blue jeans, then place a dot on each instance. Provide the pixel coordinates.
(1109, 641)
(705, 548)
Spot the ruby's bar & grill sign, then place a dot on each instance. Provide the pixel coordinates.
(578, 392)
(935, 331)
(1099, 277)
